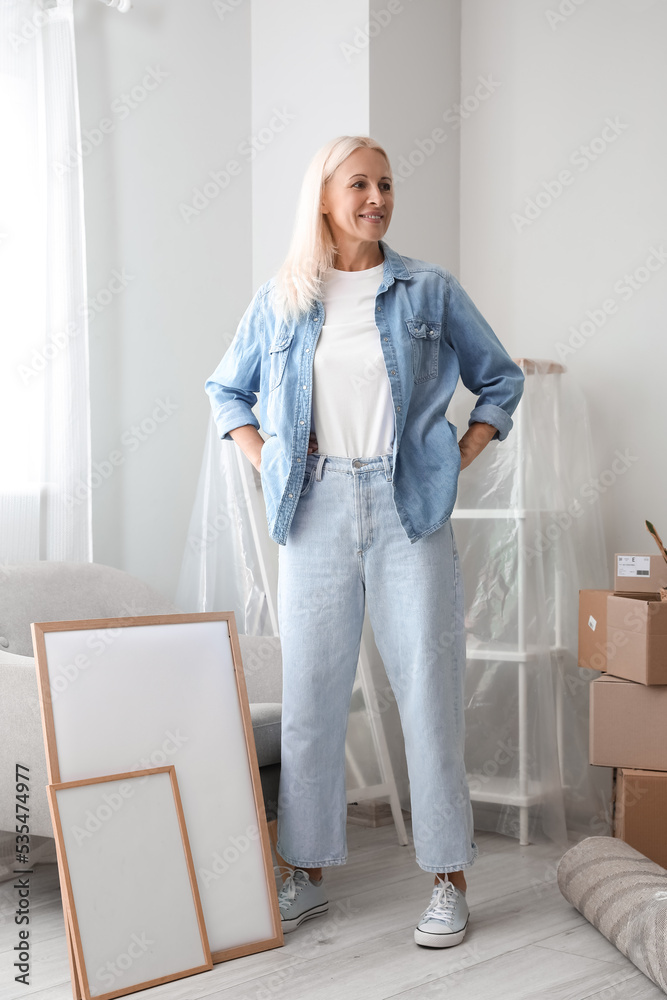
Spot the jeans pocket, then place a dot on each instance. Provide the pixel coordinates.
(425, 339)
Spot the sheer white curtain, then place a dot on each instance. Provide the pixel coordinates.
(45, 466)
(230, 563)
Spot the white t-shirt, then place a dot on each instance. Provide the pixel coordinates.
(353, 410)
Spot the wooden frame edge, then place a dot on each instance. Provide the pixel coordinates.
(66, 884)
(171, 768)
(66, 892)
(45, 703)
(77, 992)
(124, 621)
(278, 937)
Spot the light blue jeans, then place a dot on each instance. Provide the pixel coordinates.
(346, 545)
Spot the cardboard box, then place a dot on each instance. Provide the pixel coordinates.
(636, 574)
(637, 638)
(627, 724)
(593, 629)
(640, 812)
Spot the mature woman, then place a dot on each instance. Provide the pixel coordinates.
(356, 352)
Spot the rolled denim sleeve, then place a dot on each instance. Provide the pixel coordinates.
(233, 386)
(486, 367)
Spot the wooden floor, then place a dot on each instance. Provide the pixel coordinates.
(524, 941)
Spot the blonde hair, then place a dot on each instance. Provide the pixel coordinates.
(299, 280)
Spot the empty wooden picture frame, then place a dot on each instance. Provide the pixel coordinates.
(119, 694)
(129, 882)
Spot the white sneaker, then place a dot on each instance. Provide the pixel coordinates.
(444, 921)
(299, 899)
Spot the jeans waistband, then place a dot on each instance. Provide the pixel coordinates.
(353, 466)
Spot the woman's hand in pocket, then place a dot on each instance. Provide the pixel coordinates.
(250, 441)
(474, 441)
(312, 443)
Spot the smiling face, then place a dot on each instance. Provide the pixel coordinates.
(358, 200)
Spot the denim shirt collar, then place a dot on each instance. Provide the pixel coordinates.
(394, 265)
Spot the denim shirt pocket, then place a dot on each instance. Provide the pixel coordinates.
(278, 352)
(425, 339)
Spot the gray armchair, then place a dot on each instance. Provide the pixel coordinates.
(63, 591)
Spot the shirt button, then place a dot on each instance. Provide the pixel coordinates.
(305, 386)
(302, 421)
(398, 407)
(393, 372)
(290, 494)
(379, 309)
(298, 459)
(386, 338)
(308, 350)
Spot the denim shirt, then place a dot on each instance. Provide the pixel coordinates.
(430, 333)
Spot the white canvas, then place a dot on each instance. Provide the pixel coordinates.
(130, 885)
(147, 695)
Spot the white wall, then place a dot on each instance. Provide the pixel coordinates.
(298, 67)
(164, 332)
(414, 90)
(560, 79)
